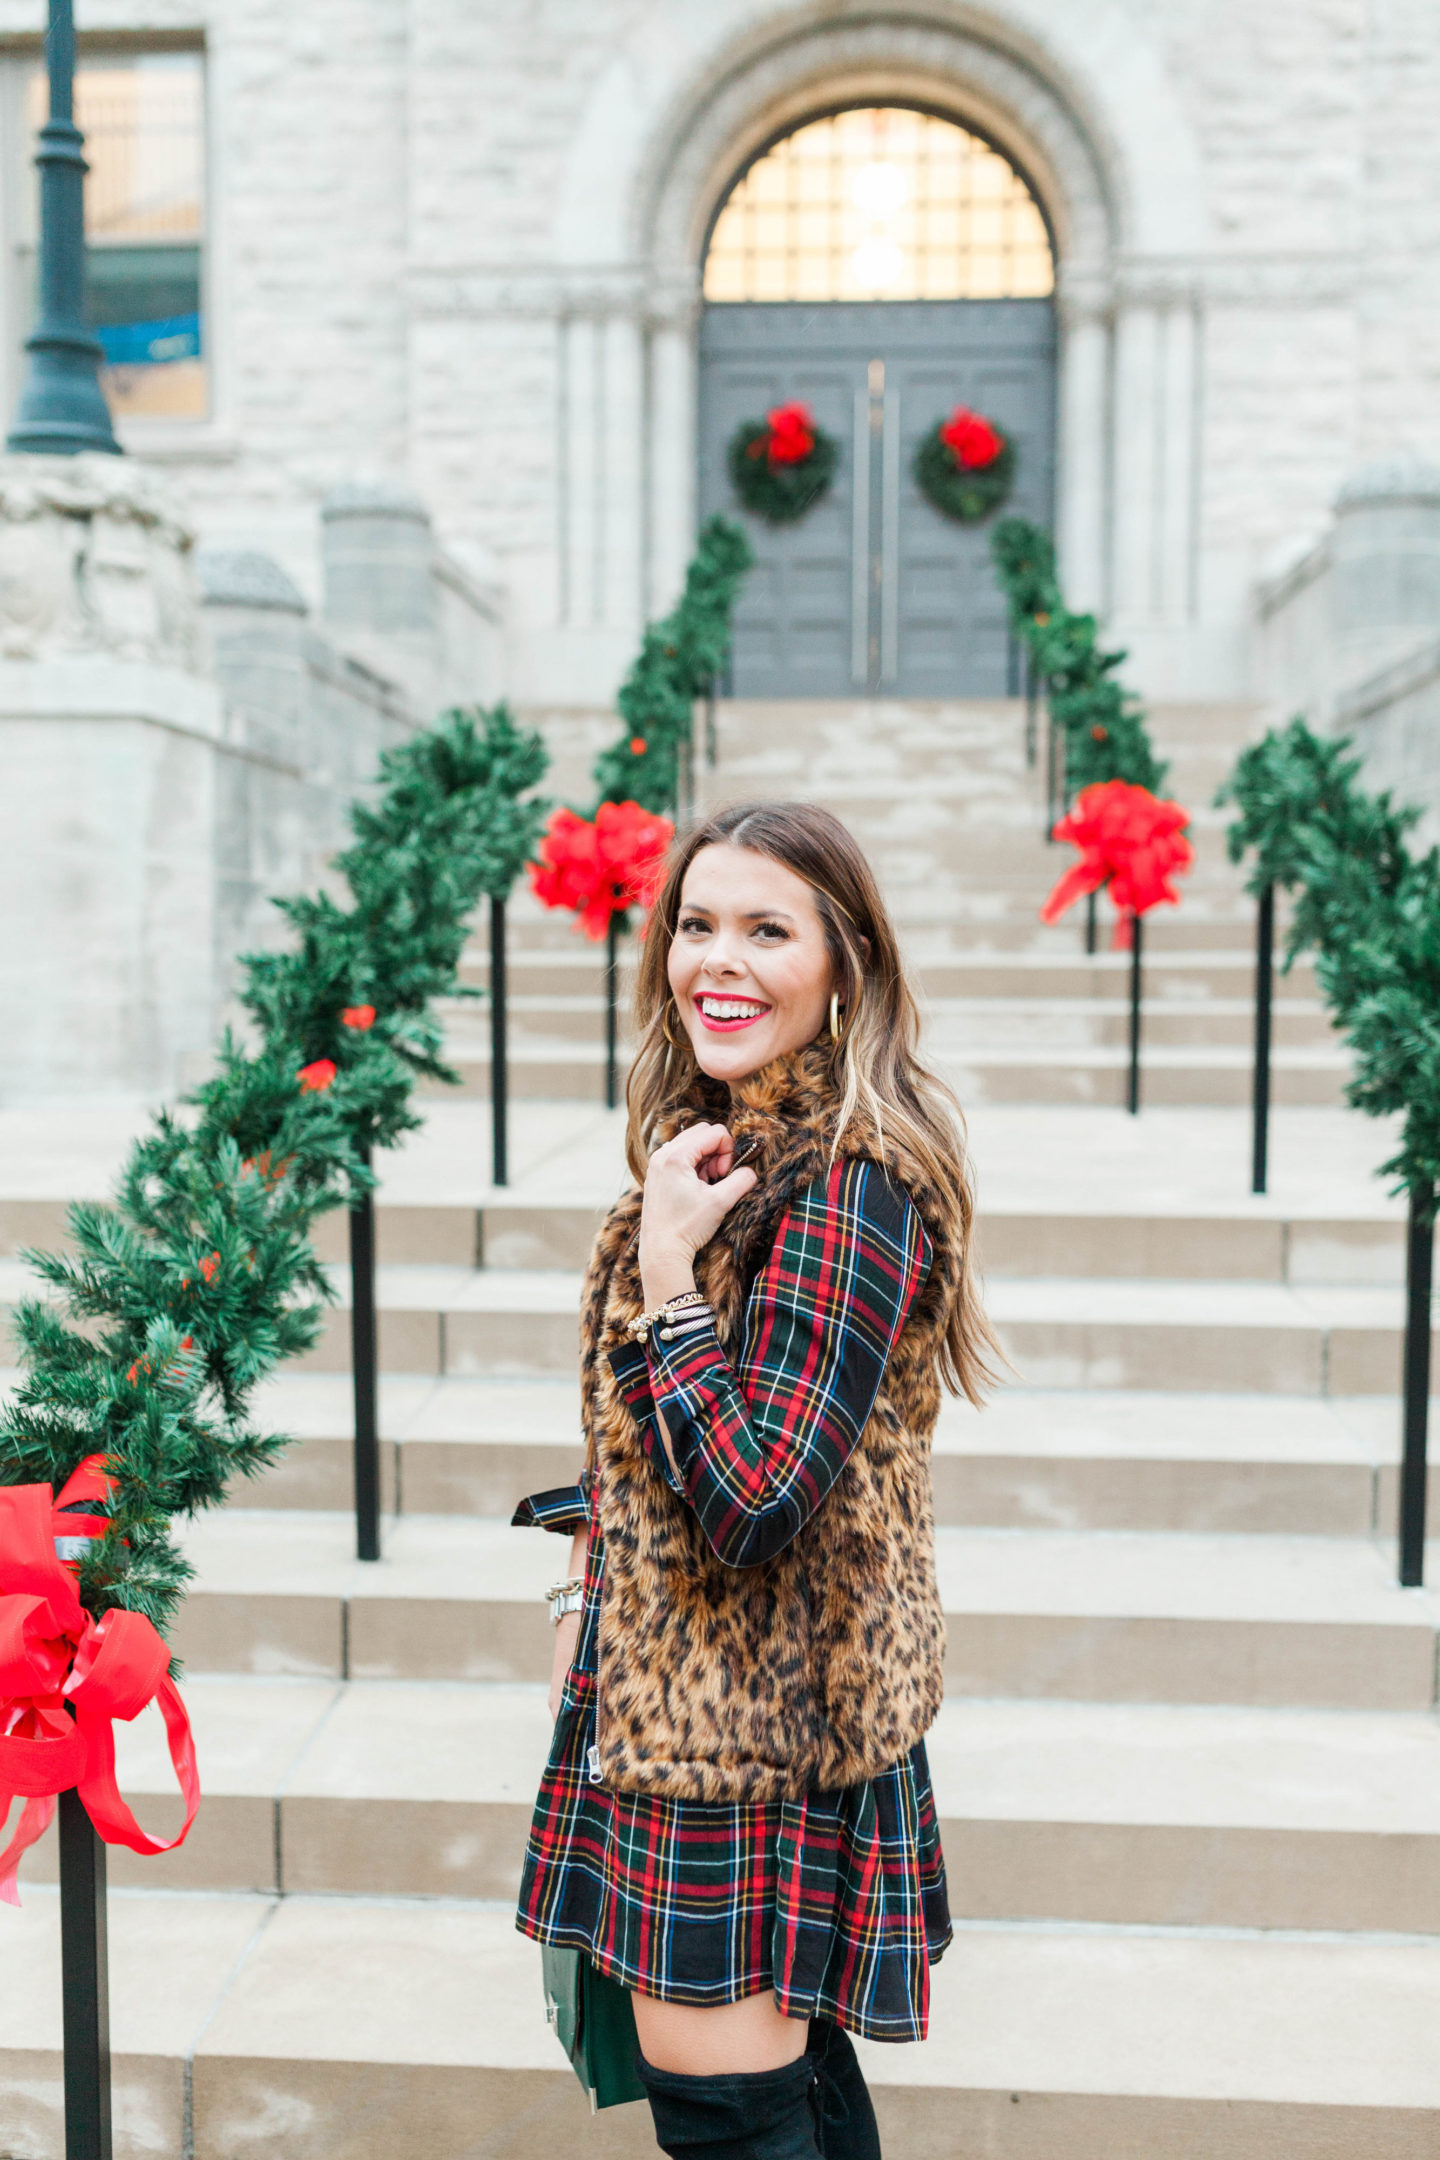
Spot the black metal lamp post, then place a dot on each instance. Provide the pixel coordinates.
(61, 406)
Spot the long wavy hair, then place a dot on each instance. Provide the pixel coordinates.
(884, 1086)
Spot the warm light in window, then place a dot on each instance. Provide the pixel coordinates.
(879, 189)
(877, 264)
(880, 204)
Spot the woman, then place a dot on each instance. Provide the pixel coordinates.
(736, 1819)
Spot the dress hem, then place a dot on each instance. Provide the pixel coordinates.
(895, 2031)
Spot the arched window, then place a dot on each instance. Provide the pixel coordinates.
(880, 203)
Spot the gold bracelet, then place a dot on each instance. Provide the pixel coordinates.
(687, 1300)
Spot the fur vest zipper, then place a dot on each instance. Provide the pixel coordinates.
(823, 1666)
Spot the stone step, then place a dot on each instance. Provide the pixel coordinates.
(249, 2021)
(1060, 1332)
(1001, 1012)
(959, 1026)
(1226, 1337)
(1134, 1815)
(1081, 1191)
(1191, 977)
(998, 1011)
(981, 922)
(1195, 1075)
(1089, 1616)
(1292, 1465)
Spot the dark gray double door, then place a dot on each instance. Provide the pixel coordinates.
(874, 592)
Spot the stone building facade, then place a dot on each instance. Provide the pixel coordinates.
(454, 250)
(460, 243)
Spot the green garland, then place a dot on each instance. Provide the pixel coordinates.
(965, 493)
(679, 660)
(1102, 726)
(781, 494)
(199, 1278)
(1367, 909)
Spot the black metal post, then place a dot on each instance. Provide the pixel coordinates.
(1264, 991)
(1090, 923)
(612, 1000)
(1031, 709)
(362, 1360)
(61, 405)
(499, 1050)
(84, 1984)
(1419, 1268)
(1136, 922)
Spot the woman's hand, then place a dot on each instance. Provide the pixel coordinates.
(691, 1184)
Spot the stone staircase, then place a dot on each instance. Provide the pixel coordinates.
(1188, 1767)
(951, 818)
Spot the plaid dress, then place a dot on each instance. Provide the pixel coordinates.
(836, 1901)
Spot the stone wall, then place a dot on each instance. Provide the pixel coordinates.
(1349, 633)
(181, 738)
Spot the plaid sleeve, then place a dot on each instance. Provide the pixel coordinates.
(758, 1445)
(565, 1508)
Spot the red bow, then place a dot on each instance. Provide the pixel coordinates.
(600, 870)
(792, 434)
(65, 1678)
(1127, 839)
(971, 440)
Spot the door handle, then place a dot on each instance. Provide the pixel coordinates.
(890, 539)
(860, 546)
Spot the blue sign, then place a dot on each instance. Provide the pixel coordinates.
(147, 344)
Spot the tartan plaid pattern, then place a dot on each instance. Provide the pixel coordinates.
(837, 1901)
(758, 1446)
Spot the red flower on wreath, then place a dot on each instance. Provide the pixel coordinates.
(315, 1078)
(359, 1017)
(971, 440)
(792, 434)
(1129, 840)
(601, 869)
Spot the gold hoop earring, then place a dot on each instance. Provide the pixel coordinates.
(665, 1012)
(834, 1016)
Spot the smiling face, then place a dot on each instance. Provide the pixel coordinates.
(749, 967)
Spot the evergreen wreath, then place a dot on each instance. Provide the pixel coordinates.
(781, 466)
(176, 1299)
(965, 466)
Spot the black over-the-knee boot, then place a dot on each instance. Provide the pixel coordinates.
(738, 2115)
(846, 2119)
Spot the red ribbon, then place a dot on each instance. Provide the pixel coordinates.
(65, 1678)
(971, 440)
(1127, 839)
(792, 434)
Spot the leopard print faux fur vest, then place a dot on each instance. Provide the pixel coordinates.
(821, 1667)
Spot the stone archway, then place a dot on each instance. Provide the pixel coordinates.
(746, 100)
